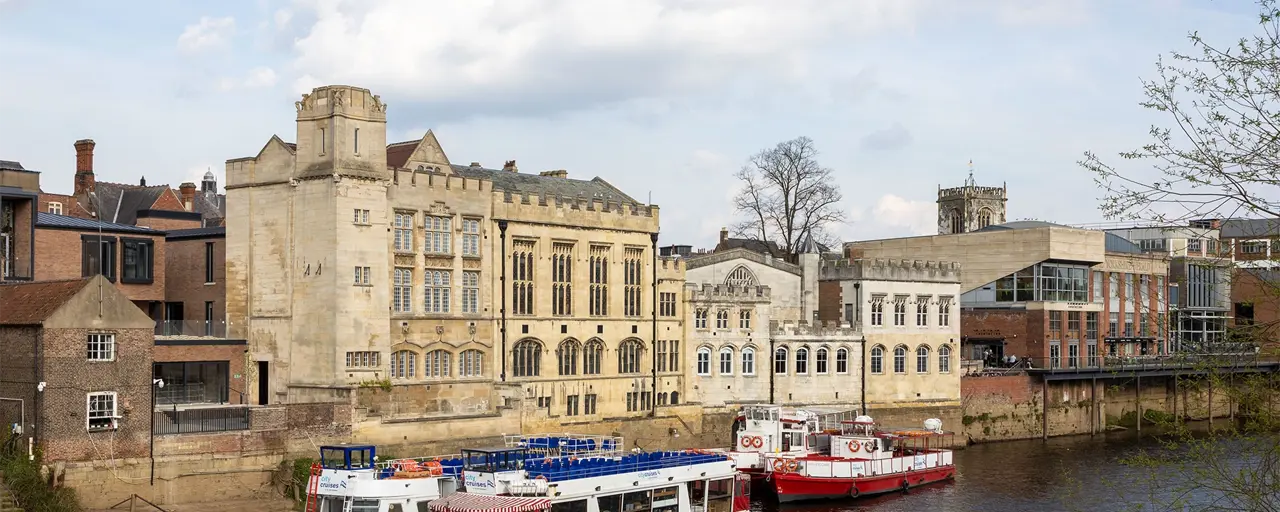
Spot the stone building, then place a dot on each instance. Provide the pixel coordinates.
(970, 207)
(729, 335)
(1036, 290)
(351, 262)
(78, 356)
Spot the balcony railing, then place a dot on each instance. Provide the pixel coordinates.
(197, 420)
(1108, 363)
(191, 328)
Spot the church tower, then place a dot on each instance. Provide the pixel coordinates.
(970, 207)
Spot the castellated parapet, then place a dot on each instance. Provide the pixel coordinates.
(343, 100)
(877, 269)
(803, 329)
(945, 194)
(670, 268)
(572, 211)
(406, 179)
(727, 293)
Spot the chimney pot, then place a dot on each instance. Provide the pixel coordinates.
(475, 164)
(142, 182)
(84, 180)
(558, 173)
(188, 191)
(510, 166)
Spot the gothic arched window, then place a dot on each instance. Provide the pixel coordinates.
(568, 355)
(741, 276)
(629, 353)
(526, 359)
(957, 222)
(591, 356)
(984, 218)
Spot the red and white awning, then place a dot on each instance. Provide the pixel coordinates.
(466, 502)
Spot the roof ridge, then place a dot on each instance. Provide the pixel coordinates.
(414, 141)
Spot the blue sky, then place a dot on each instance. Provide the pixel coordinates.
(659, 97)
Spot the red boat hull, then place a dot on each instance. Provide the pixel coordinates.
(793, 487)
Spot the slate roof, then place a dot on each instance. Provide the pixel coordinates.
(550, 186)
(10, 165)
(34, 302)
(398, 154)
(213, 207)
(771, 248)
(1250, 228)
(120, 202)
(50, 220)
(205, 232)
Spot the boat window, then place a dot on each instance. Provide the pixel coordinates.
(570, 506)
(477, 461)
(718, 493)
(359, 505)
(395, 507)
(360, 459)
(332, 458)
(422, 506)
(666, 499)
(610, 503)
(635, 501)
(697, 489)
(786, 442)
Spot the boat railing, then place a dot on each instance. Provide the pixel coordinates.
(574, 468)
(846, 468)
(578, 445)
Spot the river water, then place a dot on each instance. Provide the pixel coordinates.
(1077, 473)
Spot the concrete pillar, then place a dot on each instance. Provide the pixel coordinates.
(1210, 404)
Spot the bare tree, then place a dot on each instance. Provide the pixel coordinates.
(1221, 156)
(787, 196)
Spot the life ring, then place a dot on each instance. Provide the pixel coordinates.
(433, 467)
(780, 466)
(540, 477)
(792, 465)
(870, 446)
(746, 441)
(853, 445)
(757, 442)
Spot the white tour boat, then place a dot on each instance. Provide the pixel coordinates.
(769, 431)
(556, 473)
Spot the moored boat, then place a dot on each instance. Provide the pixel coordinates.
(764, 431)
(864, 460)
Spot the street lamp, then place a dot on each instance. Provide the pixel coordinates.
(155, 384)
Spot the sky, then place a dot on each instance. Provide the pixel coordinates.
(665, 99)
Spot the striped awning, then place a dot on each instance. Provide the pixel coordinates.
(466, 502)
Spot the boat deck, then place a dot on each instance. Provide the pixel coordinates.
(569, 468)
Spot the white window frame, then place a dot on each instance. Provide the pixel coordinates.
(437, 289)
(101, 338)
(726, 361)
(362, 277)
(402, 242)
(360, 217)
(470, 291)
(89, 413)
(55, 207)
(703, 363)
(402, 290)
(437, 234)
(748, 358)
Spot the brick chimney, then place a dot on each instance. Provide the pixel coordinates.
(84, 182)
(724, 235)
(558, 173)
(510, 166)
(188, 191)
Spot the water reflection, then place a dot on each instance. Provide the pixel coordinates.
(1062, 474)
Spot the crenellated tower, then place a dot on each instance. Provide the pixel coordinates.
(970, 207)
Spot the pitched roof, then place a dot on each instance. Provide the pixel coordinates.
(398, 153)
(550, 186)
(1250, 228)
(205, 232)
(34, 302)
(11, 165)
(120, 202)
(50, 220)
(771, 248)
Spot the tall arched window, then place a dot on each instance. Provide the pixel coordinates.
(629, 355)
(726, 361)
(802, 361)
(700, 319)
(780, 361)
(820, 361)
(526, 359)
(922, 359)
(740, 276)
(567, 354)
(404, 364)
(748, 361)
(435, 364)
(957, 224)
(592, 356)
(471, 363)
(984, 218)
(704, 361)
(944, 359)
(722, 319)
(842, 361)
(900, 359)
(675, 398)
(877, 359)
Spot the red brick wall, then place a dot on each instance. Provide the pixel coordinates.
(1019, 388)
(1011, 324)
(1261, 289)
(58, 256)
(830, 303)
(70, 378)
(168, 200)
(164, 224)
(18, 373)
(233, 354)
(185, 277)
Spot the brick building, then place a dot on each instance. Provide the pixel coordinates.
(77, 353)
(130, 257)
(19, 193)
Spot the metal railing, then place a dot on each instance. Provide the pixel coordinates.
(192, 328)
(1109, 363)
(193, 421)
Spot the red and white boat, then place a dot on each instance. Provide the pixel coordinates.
(862, 460)
(765, 431)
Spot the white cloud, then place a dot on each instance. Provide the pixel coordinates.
(258, 77)
(572, 51)
(918, 217)
(207, 33)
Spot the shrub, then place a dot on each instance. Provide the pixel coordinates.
(32, 491)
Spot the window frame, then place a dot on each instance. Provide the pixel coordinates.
(437, 234)
(471, 237)
(726, 361)
(747, 358)
(149, 254)
(402, 240)
(209, 278)
(842, 361)
(702, 361)
(876, 361)
(114, 417)
(109, 268)
(110, 350)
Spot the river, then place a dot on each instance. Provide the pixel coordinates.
(1076, 473)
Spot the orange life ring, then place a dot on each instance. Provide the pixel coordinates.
(792, 465)
(853, 445)
(746, 441)
(780, 465)
(757, 442)
(870, 446)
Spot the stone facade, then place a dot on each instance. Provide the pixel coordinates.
(729, 338)
(970, 207)
(394, 264)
